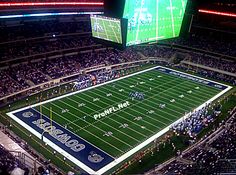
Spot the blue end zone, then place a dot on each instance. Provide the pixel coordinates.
(193, 78)
(77, 147)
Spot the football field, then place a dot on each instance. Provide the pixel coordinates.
(100, 126)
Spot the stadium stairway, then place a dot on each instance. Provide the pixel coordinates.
(142, 56)
(16, 150)
(184, 161)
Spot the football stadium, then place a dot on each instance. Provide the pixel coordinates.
(117, 87)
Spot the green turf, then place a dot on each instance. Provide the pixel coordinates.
(163, 88)
(110, 29)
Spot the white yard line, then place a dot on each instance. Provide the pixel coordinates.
(83, 90)
(127, 112)
(173, 87)
(118, 41)
(139, 101)
(108, 116)
(87, 114)
(88, 123)
(190, 86)
(172, 18)
(161, 97)
(193, 76)
(157, 20)
(105, 31)
(183, 5)
(85, 131)
(96, 21)
(199, 99)
(130, 121)
(132, 116)
(189, 81)
(125, 155)
(143, 114)
(136, 73)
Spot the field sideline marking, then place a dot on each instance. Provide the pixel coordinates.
(132, 151)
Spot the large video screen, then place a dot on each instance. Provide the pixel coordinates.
(150, 20)
(106, 28)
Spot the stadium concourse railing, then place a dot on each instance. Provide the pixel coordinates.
(65, 80)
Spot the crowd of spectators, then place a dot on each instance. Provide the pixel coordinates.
(197, 58)
(25, 72)
(18, 50)
(32, 72)
(196, 121)
(207, 42)
(22, 76)
(8, 85)
(27, 30)
(156, 51)
(208, 73)
(221, 64)
(210, 157)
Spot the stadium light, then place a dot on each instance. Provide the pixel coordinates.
(48, 14)
(22, 4)
(217, 13)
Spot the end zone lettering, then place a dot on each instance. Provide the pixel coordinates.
(59, 135)
(111, 110)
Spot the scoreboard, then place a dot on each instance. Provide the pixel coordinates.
(151, 20)
(147, 20)
(106, 28)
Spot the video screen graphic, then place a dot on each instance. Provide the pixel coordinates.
(150, 20)
(106, 28)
